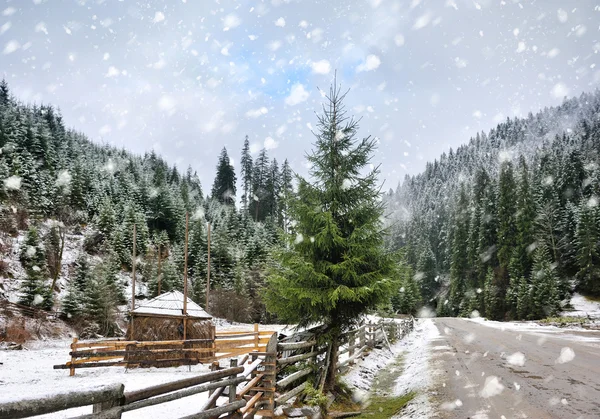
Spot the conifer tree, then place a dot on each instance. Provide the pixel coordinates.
(544, 299)
(224, 185)
(459, 265)
(588, 251)
(491, 296)
(336, 277)
(246, 174)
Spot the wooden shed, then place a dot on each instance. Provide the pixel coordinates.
(163, 319)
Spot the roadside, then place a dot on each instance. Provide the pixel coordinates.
(402, 371)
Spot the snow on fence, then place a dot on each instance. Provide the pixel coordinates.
(248, 389)
(108, 353)
(305, 348)
(9, 310)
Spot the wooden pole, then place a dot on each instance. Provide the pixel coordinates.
(185, 281)
(133, 284)
(159, 259)
(208, 271)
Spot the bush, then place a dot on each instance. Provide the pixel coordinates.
(15, 332)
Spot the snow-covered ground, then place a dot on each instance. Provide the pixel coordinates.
(29, 374)
(583, 307)
(415, 373)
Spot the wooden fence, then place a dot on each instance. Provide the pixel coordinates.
(308, 355)
(248, 389)
(254, 388)
(108, 353)
(9, 310)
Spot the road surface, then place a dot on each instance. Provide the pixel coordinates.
(496, 370)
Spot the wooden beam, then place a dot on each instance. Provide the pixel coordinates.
(34, 407)
(157, 390)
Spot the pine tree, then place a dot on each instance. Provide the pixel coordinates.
(588, 252)
(525, 225)
(336, 277)
(224, 185)
(286, 193)
(459, 265)
(246, 174)
(545, 300)
(491, 296)
(426, 274)
(259, 186)
(34, 291)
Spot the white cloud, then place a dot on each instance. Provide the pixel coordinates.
(560, 90)
(255, 113)
(280, 22)
(5, 27)
(321, 67)
(112, 72)
(275, 45)
(422, 21)
(270, 144)
(231, 21)
(12, 183)
(371, 63)
(158, 17)
(166, 103)
(553, 52)
(297, 95)
(460, 63)
(11, 46)
(562, 15)
(9, 11)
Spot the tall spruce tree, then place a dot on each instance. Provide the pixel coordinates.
(335, 267)
(246, 174)
(224, 187)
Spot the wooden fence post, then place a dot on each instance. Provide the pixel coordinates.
(361, 335)
(351, 344)
(117, 401)
(269, 379)
(73, 349)
(232, 388)
(256, 336)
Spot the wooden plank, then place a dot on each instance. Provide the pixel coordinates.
(294, 392)
(296, 345)
(283, 383)
(251, 403)
(296, 358)
(218, 411)
(34, 407)
(250, 384)
(181, 394)
(157, 390)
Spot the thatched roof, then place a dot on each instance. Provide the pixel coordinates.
(170, 304)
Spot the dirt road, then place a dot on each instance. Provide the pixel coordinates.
(498, 370)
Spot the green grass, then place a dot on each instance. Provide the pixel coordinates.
(385, 407)
(563, 320)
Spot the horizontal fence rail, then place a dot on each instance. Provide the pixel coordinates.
(248, 389)
(114, 352)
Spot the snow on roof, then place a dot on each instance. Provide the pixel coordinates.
(171, 304)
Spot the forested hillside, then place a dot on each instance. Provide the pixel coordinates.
(57, 184)
(508, 224)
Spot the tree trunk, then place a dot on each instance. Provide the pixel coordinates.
(332, 363)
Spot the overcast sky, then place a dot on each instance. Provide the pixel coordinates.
(187, 77)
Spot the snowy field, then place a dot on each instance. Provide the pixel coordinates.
(29, 374)
(583, 307)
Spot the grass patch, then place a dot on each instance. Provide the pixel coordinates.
(385, 407)
(563, 321)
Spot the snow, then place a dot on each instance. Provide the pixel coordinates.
(29, 373)
(171, 304)
(416, 375)
(540, 330)
(582, 307)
